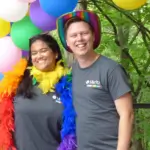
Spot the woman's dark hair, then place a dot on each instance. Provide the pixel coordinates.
(74, 20)
(25, 87)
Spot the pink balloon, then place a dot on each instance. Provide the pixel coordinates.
(28, 1)
(9, 54)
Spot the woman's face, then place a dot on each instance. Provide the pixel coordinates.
(43, 58)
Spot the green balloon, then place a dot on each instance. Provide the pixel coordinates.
(22, 31)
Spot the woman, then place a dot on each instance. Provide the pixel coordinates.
(36, 110)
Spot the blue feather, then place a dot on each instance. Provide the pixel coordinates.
(64, 89)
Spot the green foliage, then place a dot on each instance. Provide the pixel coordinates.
(126, 39)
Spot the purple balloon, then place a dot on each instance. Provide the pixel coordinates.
(25, 54)
(41, 19)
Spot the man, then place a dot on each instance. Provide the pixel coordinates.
(101, 92)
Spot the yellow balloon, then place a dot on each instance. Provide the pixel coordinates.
(4, 28)
(129, 4)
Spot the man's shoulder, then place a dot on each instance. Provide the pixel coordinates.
(103, 62)
(107, 64)
(108, 61)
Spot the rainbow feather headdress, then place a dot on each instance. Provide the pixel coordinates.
(8, 88)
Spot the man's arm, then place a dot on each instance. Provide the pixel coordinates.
(124, 108)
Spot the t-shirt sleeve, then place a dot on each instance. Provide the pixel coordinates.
(118, 83)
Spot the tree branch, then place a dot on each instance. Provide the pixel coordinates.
(145, 41)
(140, 83)
(134, 37)
(133, 62)
(136, 34)
(109, 20)
(138, 24)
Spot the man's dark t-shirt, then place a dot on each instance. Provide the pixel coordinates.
(95, 89)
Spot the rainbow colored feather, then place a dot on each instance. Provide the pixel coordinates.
(8, 88)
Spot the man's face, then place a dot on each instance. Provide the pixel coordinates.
(80, 38)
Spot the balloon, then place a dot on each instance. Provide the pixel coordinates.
(40, 18)
(22, 31)
(28, 1)
(1, 76)
(12, 10)
(25, 53)
(9, 54)
(129, 4)
(57, 8)
(4, 28)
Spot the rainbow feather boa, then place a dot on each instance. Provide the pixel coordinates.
(8, 88)
(64, 89)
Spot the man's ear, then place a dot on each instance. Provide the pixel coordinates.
(67, 43)
(56, 55)
(93, 36)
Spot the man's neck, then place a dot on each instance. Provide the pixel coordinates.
(88, 60)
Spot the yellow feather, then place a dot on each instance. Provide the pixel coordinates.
(47, 80)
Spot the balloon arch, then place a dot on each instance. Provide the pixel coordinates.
(22, 19)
